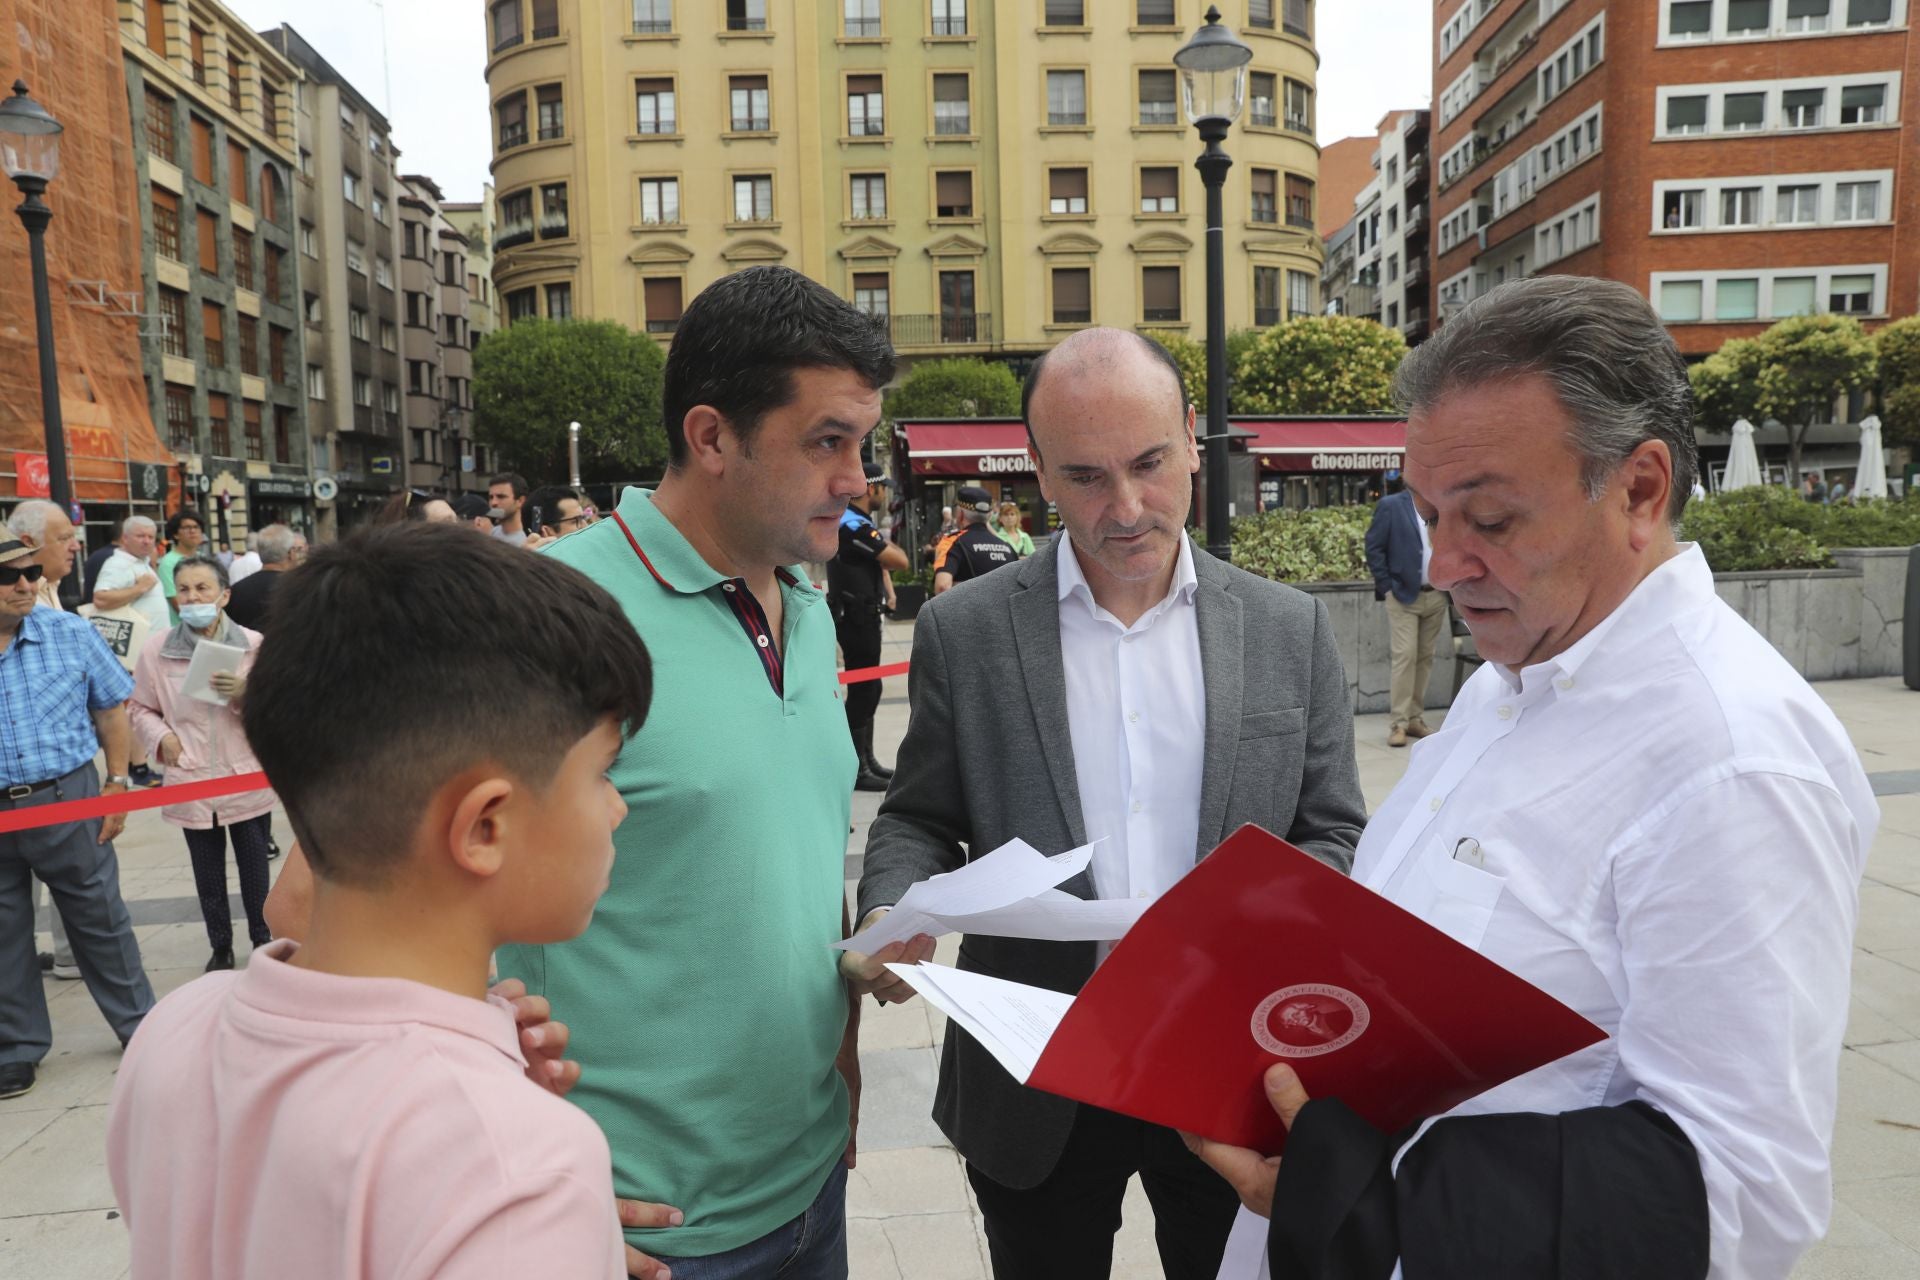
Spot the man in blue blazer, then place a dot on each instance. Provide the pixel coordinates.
(1398, 552)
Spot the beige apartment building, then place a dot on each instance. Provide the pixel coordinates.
(474, 220)
(437, 344)
(990, 176)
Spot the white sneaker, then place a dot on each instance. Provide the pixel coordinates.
(67, 972)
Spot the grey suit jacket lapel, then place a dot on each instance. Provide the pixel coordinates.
(1220, 618)
(1036, 637)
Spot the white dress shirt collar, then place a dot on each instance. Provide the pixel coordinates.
(1682, 583)
(1073, 582)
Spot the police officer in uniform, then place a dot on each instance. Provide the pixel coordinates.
(857, 590)
(978, 549)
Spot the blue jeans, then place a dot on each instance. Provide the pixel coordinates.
(811, 1247)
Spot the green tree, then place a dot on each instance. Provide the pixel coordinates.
(1321, 364)
(1898, 345)
(1726, 385)
(532, 379)
(960, 387)
(1191, 356)
(1808, 362)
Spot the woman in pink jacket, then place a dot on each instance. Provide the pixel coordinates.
(199, 740)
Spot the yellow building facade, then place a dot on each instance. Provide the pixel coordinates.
(991, 176)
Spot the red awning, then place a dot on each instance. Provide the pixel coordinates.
(1326, 444)
(983, 447)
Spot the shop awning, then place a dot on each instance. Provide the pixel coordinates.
(974, 447)
(1326, 444)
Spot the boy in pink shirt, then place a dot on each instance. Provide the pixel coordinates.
(356, 1105)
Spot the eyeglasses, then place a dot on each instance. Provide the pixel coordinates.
(10, 573)
(583, 519)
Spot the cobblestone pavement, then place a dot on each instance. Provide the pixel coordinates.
(911, 1213)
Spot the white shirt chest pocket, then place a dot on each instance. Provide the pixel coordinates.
(1454, 886)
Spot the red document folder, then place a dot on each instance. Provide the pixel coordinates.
(1263, 953)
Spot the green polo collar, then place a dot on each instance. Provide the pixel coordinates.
(672, 560)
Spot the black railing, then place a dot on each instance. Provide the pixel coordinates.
(547, 33)
(1300, 220)
(512, 238)
(507, 41)
(1066, 118)
(933, 330)
(1265, 119)
(663, 326)
(1072, 315)
(949, 26)
(551, 132)
(1161, 315)
(513, 135)
(1266, 317)
(862, 28)
(652, 26)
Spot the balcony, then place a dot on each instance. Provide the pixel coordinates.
(1300, 125)
(1416, 272)
(552, 132)
(937, 330)
(1416, 222)
(513, 233)
(513, 135)
(1301, 221)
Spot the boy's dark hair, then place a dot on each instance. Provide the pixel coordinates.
(737, 346)
(513, 478)
(543, 508)
(385, 670)
(184, 513)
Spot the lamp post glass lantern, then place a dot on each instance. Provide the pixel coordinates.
(30, 153)
(1213, 72)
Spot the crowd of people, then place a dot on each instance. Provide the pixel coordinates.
(652, 862)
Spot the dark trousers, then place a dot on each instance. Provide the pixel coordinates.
(208, 849)
(858, 629)
(83, 878)
(1063, 1229)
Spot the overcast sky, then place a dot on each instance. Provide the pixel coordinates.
(1374, 59)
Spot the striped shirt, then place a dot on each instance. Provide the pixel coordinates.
(55, 673)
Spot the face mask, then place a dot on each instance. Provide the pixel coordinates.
(199, 616)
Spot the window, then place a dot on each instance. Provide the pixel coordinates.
(1293, 17)
(546, 19)
(1737, 299)
(746, 15)
(871, 291)
(1066, 13)
(348, 120)
(866, 107)
(207, 231)
(1850, 295)
(420, 376)
(237, 184)
(751, 112)
(1299, 201)
(166, 224)
(379, 206)
(357, 324)
(753, 198)
(270, 110)
(389, 336)
(1299, 107)
(1869, 13)
(158, 119)
(652, 17)
(389, 397)
(1393, 267)
(277, 353)
(309, 240)
(1160, 189)
(653, 107)
(1743, 111)
(560, 302)
(959, 322)
(1802, 108)
(282, 434)
(312, 311)
(1393, 315)
(1160, 294)
(179, 418)
(419, 310)
(660, 202)
(952, 112)
(356, 257)
(553, 211)
(202, 151)
(1682, 210)
(862, 19)
(1856, 202)
(515, 223)
(1863, 104)
(953, 194)
(507, 31)
(217, 434)
(243, 259)
(1808, 15)
(1687, 115)
(1066, 191)
(867, 197)
(512, 114)
(1748, 17)
(1066, 98)
(1266, 297)
(197, 54)
(350, 184)
(663, 303)
(363, 390)
(1266, 188)
(1157, 103)
(1260, 14)
(552, 112)
(157, 26)
(949, 17)
(1740, 207)
(173, 323)
(1393, 218)
(1793, 296)
(1072, 295)
(383, 273)
(1679, 300)
(1797, 204)
(213, 334)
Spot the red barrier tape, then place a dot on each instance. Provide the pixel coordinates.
(47, 815)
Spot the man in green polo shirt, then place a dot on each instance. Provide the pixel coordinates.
(717, 1042)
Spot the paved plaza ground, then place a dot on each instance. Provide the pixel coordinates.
(911, 1214)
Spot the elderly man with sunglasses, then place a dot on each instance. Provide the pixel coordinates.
(64, 694)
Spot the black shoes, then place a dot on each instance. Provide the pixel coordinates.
(873, 775)
(222, 959)
(16, 1078)
(144, 776)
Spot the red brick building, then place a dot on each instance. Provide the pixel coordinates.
(1736, 160)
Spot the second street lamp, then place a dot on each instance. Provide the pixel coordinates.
(1213, 68)
(30, 152)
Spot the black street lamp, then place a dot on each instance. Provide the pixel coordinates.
(30, 151)
(1213, 66)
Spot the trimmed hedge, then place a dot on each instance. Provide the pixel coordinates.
(1326, 544)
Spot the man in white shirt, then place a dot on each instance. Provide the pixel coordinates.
(1123, 688)
(129, 579)
(1637, 806)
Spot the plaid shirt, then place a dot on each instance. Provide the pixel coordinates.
(56, 671)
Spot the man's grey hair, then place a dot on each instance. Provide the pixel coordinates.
(253, 542)
(972, 517)
(139, 522)
(29, 520)
(276, 543)
(1605, 352)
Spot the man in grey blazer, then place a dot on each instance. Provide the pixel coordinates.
(1123, 687)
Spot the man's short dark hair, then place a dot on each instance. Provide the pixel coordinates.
(737, 346)
(543, 508)
(175, 520)
(518, 481)
(471, 506)
(1032, 383)
(383, 676)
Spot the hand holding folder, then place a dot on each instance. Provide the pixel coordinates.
(1263, 954)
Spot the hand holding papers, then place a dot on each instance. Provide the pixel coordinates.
(208, 659)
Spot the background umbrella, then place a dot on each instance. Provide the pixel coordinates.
(1743, 463)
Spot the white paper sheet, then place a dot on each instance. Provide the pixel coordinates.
(1246, 1256)
(1009, 877)
(1011, 1020)
(208, 658)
